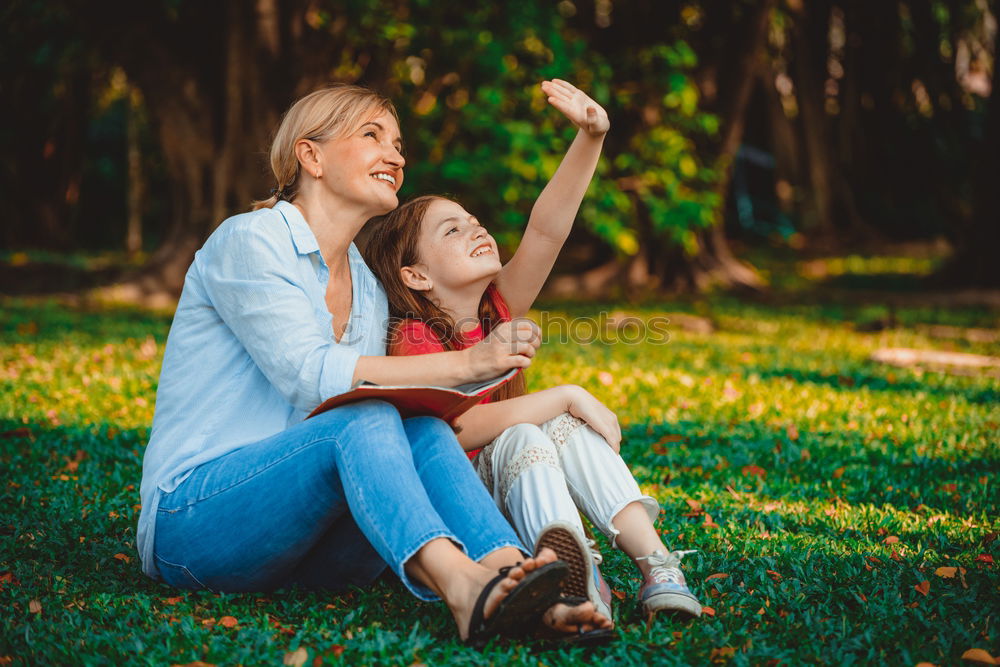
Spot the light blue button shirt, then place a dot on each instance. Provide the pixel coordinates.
(251, 349)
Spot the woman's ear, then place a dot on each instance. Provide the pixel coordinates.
(309, 157)
(415, 279)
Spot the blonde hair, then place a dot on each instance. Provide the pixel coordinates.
(329, 113)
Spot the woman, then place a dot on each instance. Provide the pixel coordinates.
(278, 313)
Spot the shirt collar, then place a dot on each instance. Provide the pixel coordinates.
(302, 235)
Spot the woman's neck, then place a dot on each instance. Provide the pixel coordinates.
(333, 223)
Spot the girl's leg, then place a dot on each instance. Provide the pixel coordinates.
(603, 486)
(521, 470)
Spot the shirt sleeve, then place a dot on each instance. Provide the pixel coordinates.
(413, 337)
(252, 283)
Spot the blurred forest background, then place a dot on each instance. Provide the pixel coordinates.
(133, 128)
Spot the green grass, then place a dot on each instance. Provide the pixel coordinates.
(808, 458)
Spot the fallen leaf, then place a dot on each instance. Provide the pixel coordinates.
(892, 539)
(296, 658)
(774, 575)
(693, 504)
(175, 600)
(924, 587)
(895, 556)
(123, 557)
(228, 622)
(722, 653)
(618, 594)
(979, 655)
(946, 572)
(792, 431)
(984, 558)
(708, 611)
(805, 455)
(925, 664)
(838, 473)
(196, 663)
(754, 470)
(337, 650)
(35, 607)
(208, 622)
(717, 575)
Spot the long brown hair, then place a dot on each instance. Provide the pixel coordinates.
(392, 245)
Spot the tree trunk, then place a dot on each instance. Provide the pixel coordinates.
(136, 182)
(975, 261)
(809, 44)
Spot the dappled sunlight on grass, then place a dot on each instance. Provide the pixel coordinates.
(820, 490)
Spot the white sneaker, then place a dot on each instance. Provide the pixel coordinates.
(666, 588)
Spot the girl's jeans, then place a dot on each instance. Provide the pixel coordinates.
(326, 504)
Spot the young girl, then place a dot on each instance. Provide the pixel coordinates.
(546, 455)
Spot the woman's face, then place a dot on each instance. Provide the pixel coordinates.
(365, 168)
(455, 251)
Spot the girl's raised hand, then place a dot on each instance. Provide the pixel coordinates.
(582, 111)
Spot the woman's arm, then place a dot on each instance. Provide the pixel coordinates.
(480, 425)
(509, 345)
(552, 216)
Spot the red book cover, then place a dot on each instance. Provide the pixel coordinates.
(416, 401)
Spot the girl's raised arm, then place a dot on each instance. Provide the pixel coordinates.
(552, 216)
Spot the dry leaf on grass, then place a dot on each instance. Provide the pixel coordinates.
(980, 656)
(35, 607)
(717, 575)
(924, 587)
(296, 658)
(228, 622)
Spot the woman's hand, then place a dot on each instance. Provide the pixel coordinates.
(582, 405)
(509, 345)
(582, 111)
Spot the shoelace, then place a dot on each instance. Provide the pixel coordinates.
(594, 553)
(665, 567)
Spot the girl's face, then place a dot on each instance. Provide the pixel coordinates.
(366, 167)
(455, 251)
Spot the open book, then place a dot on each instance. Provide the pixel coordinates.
(416, 401)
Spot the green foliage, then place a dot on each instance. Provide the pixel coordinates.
(806, 455)
(478, 126)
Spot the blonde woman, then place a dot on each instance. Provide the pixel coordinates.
(278, 313)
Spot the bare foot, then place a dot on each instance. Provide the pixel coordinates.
(583, 617)
(462, 603)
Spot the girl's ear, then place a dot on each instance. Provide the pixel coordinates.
(415, 279)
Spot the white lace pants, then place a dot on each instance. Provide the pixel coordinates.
(538, 474)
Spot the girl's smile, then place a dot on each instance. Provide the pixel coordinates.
(455, 250)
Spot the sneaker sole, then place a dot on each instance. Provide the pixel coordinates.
(570, 550)
(673, 603)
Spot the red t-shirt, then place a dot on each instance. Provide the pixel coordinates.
(415, 337)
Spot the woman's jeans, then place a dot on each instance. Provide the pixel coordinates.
(326, 504)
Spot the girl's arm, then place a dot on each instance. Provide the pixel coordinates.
(521, 279)
(483, 423)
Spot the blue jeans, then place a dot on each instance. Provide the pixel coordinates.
(326, 504)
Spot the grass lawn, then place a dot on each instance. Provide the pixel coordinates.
(843, 511)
